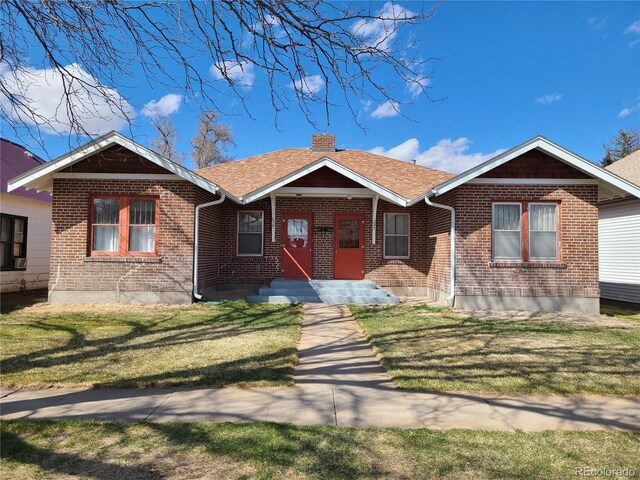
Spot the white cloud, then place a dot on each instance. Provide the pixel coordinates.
(597, 23)
(240, 73)
(97, 109)
(633, 28)
(386, 109)
(308, 85)
(448, 155)
(416, 85)
(625, 112)
(548, 98)
(380, 32)
(165, 106)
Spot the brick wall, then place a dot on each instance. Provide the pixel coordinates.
(429, 250)
(71, 270)
(208, 240)
(577, 273)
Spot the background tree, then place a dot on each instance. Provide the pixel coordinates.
(211, 141)
(165, 142)
(348, 46)
(624, 143)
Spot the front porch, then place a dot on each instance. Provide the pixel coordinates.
(283, 290)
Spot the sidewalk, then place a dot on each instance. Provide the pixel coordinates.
(339, 381)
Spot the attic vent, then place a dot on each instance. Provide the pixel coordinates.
(323, 142)
(28, 153)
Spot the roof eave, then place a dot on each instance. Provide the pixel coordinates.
(40, 177)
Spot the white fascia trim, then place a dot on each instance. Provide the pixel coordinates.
(112, 138)
(323, 192)
(551, 149)
(326, 162)
(119, 176)
(534, 181)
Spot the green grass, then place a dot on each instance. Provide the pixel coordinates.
(619, 311)
(265, 451)
(234, 343)
(439, 349)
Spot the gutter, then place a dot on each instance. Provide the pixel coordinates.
(222, 198)
(452, 255)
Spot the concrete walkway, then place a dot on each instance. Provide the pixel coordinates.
(339, 381)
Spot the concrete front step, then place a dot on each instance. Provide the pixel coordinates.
(342, 292)
(322, 299)
(302, 284)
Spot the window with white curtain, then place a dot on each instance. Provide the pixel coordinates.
(250, 233)
(507, 231)
(114, 219)
(142, 225)
(106, 225)
(543, 231)
(396, 235)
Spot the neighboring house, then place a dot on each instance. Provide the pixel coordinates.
(131, 226)
(619, 242)
(25, 239)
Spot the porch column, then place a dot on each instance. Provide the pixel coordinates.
(374, 220)
(273, 218)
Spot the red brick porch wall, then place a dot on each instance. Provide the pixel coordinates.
(428, 249)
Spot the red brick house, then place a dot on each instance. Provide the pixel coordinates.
(131, 226)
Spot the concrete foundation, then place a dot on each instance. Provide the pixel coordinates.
(438, 295)
(130, 298)
(540, 304)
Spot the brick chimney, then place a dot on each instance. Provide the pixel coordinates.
(323, 142)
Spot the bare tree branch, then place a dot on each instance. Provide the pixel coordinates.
(96, 50)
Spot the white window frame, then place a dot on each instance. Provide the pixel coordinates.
(493, 230)
(384, 237)
(557, 230)
(238, 254)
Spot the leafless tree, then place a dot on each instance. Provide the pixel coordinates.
(98, 49)
(211, 141)
(165, 142)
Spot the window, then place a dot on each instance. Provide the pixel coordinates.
(526, 231)
(13, 242)
(396, 235)
(507, 240)
(124, 226)
(250, 233)
(543, 231)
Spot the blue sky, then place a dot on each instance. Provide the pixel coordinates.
(507, 71)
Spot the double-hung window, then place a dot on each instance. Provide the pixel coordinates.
(525, 231)
(507, 231)
(250, 238)
(13, 242)
(124, 226)
(396, 235)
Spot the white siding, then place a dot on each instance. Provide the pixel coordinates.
(619, 251)
(38, 243)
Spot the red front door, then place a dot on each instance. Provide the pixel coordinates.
(297, 240)
(348, 259)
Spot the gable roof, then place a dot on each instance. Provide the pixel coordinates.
(41, 177)
(255, 177)
(627, 167)
(609, 182)
(16, 160)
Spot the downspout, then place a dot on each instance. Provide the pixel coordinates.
(197, 295)
(452, 266)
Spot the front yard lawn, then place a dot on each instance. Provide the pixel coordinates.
(438, 349)
(233, 343)
(266, 450)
